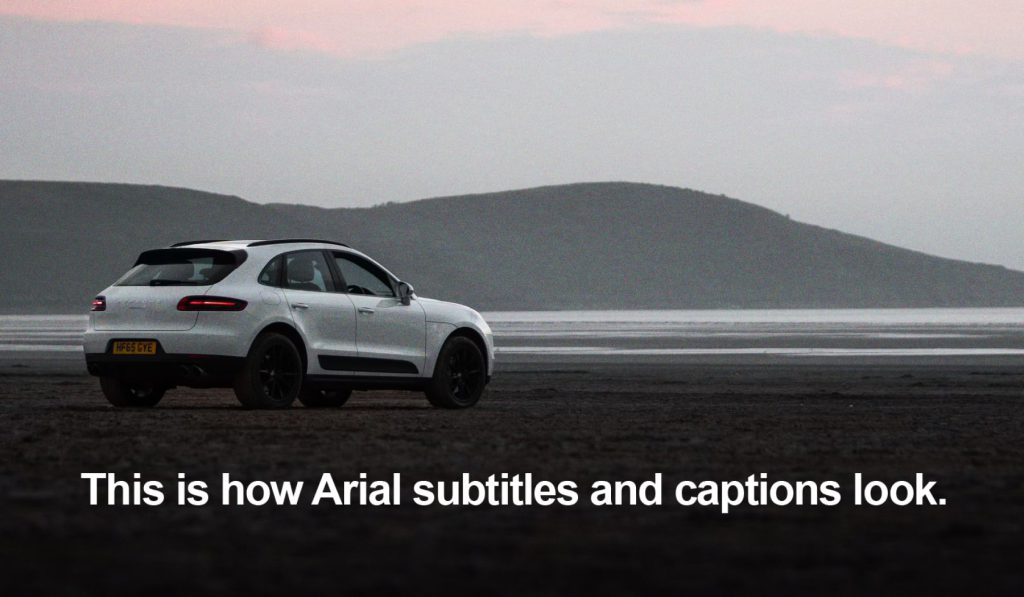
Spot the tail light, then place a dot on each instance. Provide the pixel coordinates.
(210, 303)
(99, 304)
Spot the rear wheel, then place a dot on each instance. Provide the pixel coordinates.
(272, 374)
(459, 375)
(315, 398)
(123, 393)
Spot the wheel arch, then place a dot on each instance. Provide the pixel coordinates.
(476, 337)
(289, 332)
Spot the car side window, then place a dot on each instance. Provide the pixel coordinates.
(306, 270)
(271, 274)
(362, 277)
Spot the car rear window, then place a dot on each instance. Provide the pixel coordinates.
(182, 267)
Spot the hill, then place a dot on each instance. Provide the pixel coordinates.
(580, 246)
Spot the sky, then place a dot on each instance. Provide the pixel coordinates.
(902, 121)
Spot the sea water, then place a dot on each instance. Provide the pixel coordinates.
(791, 332)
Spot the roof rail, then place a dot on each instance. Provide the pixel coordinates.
(198, 242)
(281, 241)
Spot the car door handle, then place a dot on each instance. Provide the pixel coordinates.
(300, 306)
(366, 310)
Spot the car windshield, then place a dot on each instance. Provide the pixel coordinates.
(181, 267)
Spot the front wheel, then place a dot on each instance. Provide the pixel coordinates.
(272, 374)
(459, 375)
(124, 393)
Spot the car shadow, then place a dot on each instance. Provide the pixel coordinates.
(223, 407)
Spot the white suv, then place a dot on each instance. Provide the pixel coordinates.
(279, 320)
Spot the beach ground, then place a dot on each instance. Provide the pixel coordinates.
(961, 425)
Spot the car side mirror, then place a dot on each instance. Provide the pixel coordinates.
(405, 292)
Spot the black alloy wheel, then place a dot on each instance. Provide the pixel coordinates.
(459, 376)
(272, 374)
(279, 373)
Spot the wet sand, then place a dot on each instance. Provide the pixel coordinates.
(961, 423)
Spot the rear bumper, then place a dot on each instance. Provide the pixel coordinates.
(193, 370)
(204, 341)
(202, 357)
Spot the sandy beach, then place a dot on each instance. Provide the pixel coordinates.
(959, 423)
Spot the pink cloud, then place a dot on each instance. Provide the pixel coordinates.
(985, 27)
(366, 27)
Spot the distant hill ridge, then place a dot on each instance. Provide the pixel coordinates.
(578, 246)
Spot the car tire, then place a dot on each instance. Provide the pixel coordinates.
(318, 398)
(122, 393)
(460, 375)
(271, 376)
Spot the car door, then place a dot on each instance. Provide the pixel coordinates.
(326, 318)
(390, 336)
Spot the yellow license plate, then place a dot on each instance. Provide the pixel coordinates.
(134, 347)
